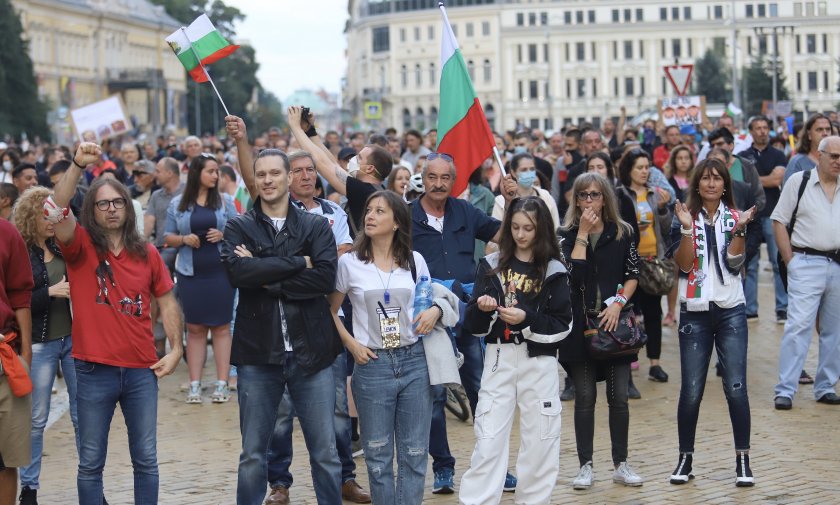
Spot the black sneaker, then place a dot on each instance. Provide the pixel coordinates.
(568, 393)
(781, 316)
(682, 473)
(633, 392)
(751, 318)
(718, 369)
(28, 496)
(743, 474)
(657, 374)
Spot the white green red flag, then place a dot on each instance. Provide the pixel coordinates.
(463, 131)
(207, 43)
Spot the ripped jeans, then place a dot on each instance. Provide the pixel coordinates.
(726, 331)
(394, 401)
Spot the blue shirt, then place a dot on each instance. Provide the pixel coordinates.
(449, 255)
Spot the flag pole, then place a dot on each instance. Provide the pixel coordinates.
(184, 31)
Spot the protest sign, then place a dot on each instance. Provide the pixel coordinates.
(682, 110)
(98, 121)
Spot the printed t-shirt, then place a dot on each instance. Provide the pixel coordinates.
(111, 302)
(647, 234)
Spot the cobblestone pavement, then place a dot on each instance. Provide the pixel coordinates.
(794, 453)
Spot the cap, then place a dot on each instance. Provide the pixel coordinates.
(145, 166)
(687, 130)
(346, 153)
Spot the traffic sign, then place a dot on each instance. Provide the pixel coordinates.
(373, 110)
(680, 77)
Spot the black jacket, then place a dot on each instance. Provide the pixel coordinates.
(40, 293)
(277, 273)
(544, 329)
(613, 262)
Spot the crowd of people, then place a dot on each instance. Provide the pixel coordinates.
(306, 261)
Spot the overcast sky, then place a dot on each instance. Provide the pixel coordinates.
(299, 44)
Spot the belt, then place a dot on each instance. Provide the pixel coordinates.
(832, 255)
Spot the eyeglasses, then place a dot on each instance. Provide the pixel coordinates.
(592, 195)
(833, 156)
(443, 156)
(104, 205)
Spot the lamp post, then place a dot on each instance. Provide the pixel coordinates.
(762, 31)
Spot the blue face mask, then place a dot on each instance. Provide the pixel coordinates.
(520, 150)
(526, 179)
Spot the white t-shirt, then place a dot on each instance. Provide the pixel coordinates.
(279, 223)
(365, 285)
(435, 222)
(337, 220)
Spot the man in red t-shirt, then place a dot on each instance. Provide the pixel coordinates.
(115, 275)
(671, 140)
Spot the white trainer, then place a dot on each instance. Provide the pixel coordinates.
(584, 477)
(625, 475)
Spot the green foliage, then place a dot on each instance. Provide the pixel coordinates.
(21, 111)
(758, 85)
(269, 112)
(711, 78)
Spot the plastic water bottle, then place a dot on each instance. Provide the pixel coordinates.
(422, 295)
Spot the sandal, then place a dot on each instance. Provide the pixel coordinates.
(669, 320)
(804, 378)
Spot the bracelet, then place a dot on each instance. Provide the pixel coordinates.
(439, 308)
(74, 162)
(311, 131)
(621, 299)
(182, 239)
(584, 243)
(686, 232)
(739, 233)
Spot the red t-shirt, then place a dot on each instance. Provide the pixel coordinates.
(111, 302)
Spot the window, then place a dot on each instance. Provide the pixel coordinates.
(718, 12)
(762, 10)
(417, 34)
(822, 8)
(568, 88)
(521, 92)
(615, 86)
(676, 48)
(404, 76)
(532, 53)
(567, 17)
(774, 10)
(487, 71)
(432, 76)
(615, 17)
(675, 13)
(568, 58)
(543, 18)
(797, 9)
(594, 52)
(471, 69)
(799, 81)
(812, 81)
(687, 13)
(594, 87)
(628, 15)
(581, 88)
(628, 86)
(641, 49)
(663, 14)
(520, 19)
(825, 80)
(545, 53)
(641, 86)
(749, 46)
(640, 15)
(690, 48)
(628, 49)
(532, 18)
(811, 44)
(662, 47)
(719, 46)
(402, 34)
(825, 43)
(485, 28)
(581, 51)
(431, 33)
(590, 16)
(615, 50)
(798, 39)
(579, 17)
(470, 31)
(418, 78)
(750, 11)
(381, 39)
(535, 122)
(533, 89)
(809, 8)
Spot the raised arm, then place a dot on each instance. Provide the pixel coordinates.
(619, 130)
(324, 161)
(235, 127)
(87, 153)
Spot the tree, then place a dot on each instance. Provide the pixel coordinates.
(21, 110)
(758, 85)
(269, 112)
(711, 79)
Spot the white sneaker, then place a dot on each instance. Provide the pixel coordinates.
(625, 475)
(584, 477)
(194, 394)
(222, 393)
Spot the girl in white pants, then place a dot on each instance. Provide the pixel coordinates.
(521, 305)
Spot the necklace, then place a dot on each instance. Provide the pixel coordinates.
(384, 284)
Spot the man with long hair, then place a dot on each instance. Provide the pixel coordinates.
(116, 274)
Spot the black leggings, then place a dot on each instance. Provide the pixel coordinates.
(618, 377)
(651, 309)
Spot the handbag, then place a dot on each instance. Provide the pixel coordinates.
(626, 339)
(656, 276)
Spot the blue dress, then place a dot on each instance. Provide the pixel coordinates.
(206, 296)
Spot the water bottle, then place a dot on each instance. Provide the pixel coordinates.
(422, 295)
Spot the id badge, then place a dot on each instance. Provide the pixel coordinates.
(389, 328)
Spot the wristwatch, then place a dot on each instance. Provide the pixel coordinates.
(742, 232)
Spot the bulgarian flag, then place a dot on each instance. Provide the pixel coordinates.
(207, 43)
(463, 131)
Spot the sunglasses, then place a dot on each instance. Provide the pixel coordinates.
(592, 195)
(443, 156)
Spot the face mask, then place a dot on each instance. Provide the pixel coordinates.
(353, 166)
(7, 165)
(526, 179)
(520, 150)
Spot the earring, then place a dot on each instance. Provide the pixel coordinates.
(395, 228)
(724, 191)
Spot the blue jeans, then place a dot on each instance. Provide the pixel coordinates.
(725, 330)
(99, 389)
(280, 451)
(814, 287)
(470, 374)
(313, 396)
(394, 400)
(751, 280)
(45, 359)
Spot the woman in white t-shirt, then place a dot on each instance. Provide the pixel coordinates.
(390, 380)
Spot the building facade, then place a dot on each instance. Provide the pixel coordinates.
(545, 63)
(87, 50)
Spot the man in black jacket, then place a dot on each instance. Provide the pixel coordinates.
(283, 260)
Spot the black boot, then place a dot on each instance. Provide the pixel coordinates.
(682, 473)
(28, 496)
(743, 474)
(568, 393)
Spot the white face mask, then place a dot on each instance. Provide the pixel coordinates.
(7, 166)
(353, 166)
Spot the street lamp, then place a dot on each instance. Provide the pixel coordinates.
(761, 31)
